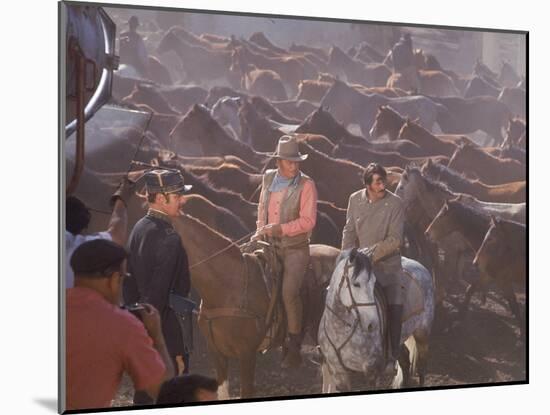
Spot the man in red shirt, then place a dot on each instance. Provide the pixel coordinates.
(103, 340)
(287, 213)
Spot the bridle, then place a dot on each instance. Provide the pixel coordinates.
(353, 307)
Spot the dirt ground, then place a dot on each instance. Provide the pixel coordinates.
(482, 347)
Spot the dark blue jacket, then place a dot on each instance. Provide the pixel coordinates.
(158, 264)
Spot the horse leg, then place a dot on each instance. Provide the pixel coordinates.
(222, 364)
(514, 306)
(328, 381)
(403, 379)
(468, 296)
(421, 361)
(248, 368)
(335, 377)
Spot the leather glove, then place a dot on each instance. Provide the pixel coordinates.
(124, 192)
(369, 252)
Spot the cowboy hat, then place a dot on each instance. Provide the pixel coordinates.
(287, 149)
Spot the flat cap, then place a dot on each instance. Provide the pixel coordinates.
(96, 256)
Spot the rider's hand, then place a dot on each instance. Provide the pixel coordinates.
(274, 230)
(151, 320)
(124, 192)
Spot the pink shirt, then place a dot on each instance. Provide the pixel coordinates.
(102, 343)
(308, 210)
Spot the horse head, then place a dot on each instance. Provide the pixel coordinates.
(354, 314)
(356, 279)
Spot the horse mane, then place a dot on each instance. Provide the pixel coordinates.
(205, 200)
(517, 120)
(392, 111)
(324, 120)
(218, 130)
(448, 174)
(430, 182)
(197, 180)
(465, 148)
(358, 259)
(414, 126)
(325, 157)
(200, 170)
(478, 213)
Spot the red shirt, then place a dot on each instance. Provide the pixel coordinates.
(103, 342)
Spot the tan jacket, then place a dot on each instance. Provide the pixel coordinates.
(379, 225)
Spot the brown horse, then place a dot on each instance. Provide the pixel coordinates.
(266, 109)
(388, 122)
(313, 90)
(234, 202)
(200, 130)
(235, 300)
(503, 257)
(295, 108)
(465, 116)
(435, 83)
(363, 156)
(182, 97)
(355, 71)
(474, 224)
(516, 128)
(217, 162)
(264, 82)
(322, 122)
(319, 52)
(431, 144)
(423, 198)
(515, 99)
(151, 96)
(350, 106)
(489, 169)
(290, 69)
(216, 217)
(231, 177)
(199, 63)
(263, 134)
(514, 192)
(335, 179)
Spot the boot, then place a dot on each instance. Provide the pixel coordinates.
(395, 312)
(292, 359)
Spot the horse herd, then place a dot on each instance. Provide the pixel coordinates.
(455, 152)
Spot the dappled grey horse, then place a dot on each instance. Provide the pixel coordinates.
(351, 331)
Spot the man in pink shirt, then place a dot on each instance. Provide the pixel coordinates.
(103, 341)
(287, 213)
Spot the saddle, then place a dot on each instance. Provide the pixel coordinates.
(276, 321)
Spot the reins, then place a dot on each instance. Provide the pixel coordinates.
(221, 251)
(357, 321)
